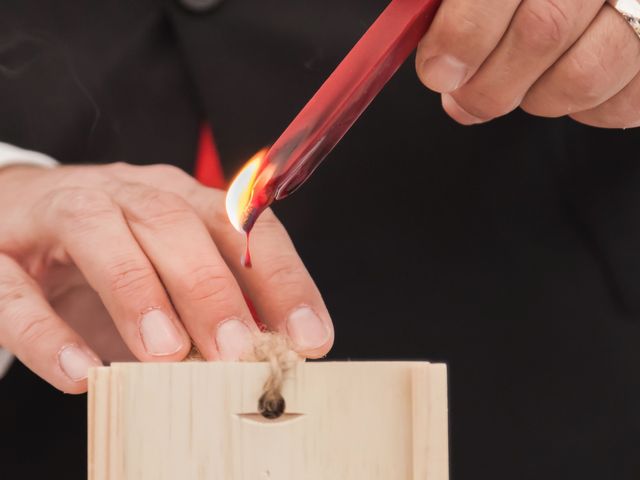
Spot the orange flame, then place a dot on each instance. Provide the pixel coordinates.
(240, 193)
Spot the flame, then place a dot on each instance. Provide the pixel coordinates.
(240, 191)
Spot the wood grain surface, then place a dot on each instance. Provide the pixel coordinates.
(197, 420)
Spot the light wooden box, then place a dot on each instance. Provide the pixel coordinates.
(200, 420)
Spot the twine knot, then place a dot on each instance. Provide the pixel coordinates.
(275, 349)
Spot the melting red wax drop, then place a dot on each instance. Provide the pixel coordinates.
(258, 203)
(246, 258)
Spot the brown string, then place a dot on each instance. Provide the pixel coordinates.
(194, 355)
(274, 349)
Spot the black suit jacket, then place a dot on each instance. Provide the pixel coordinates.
(508, 250)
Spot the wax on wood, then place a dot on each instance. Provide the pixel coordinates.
(198, 420)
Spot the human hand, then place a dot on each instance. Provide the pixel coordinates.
(549, 57)
(118, 261)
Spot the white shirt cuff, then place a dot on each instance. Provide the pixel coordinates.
(6, 359)
(12, 155)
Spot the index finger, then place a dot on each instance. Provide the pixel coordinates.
(279, 286)
(32, 330)
(462, 36)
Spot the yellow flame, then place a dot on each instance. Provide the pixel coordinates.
(241, 190)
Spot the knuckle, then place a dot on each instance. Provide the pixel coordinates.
(458, 21)
(119, 167)
(169, 170)
(129, 277)
(32, 330)
(11, 294)
(542, 25)
(78, 204)
(149, 205)
(286, 271)
(85, 175)
(208, 283)
(586, 77)
(459, 26)
(169, 174)
(463, 24)
(27, 327)
(12, 291)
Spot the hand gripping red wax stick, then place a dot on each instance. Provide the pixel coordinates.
(332, 110)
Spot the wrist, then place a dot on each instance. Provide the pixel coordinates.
(17, 168)
(15, 177)
(15, 161)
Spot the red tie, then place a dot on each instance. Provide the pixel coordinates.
(208, 167)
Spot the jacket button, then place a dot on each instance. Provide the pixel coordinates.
(199, 5)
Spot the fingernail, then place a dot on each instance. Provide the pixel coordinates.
(443, 73)
(159, 334)
(75, 362)
(458, 113)
(306, 329)
(234, 339)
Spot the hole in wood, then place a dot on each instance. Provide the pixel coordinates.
(271, 405)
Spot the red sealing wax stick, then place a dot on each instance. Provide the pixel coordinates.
(332, 110)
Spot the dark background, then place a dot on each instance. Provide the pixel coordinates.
(508, 250)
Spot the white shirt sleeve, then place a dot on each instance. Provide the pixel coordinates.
(12, 155)
(6, 359)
